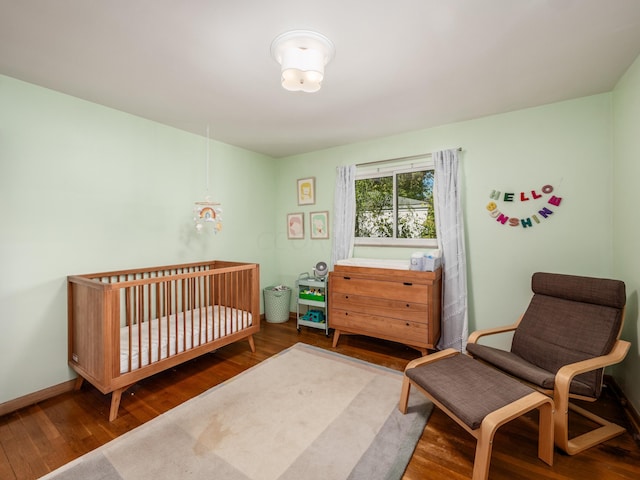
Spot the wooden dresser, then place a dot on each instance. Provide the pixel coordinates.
(398, 305)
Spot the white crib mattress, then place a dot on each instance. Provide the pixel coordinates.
(178, 333)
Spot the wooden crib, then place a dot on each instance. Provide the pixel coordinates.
(127, 325)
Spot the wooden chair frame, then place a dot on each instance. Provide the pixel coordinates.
(490, 424)
(561, 395)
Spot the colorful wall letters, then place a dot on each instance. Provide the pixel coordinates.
(543, 197)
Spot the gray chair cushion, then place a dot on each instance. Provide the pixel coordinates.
(598, 291)
(516, 366)
(468, 388)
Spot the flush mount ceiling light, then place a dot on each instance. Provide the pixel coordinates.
(303, 55)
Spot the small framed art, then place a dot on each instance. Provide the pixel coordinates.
(295, 226)
(307, 191)
(319, 224)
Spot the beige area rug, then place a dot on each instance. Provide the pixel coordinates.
(303, 414)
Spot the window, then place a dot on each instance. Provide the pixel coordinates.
(394, 206)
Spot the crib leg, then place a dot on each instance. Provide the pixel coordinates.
(115, 403)
(252, 344)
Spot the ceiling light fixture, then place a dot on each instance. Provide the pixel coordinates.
(303, 55)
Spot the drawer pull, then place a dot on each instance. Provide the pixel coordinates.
(408, 284)
(408, 305)
(347, 278)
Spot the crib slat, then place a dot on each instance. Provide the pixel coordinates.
(176, 314)
(148, 317)
(181, 315)
(156, 314)
(203, 312)
(211, 301)
(165, 310)
(130, 309)
(225, 303)
(142, 318)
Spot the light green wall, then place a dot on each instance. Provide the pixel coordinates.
(567, 145)
(85, 188)
(626, 105)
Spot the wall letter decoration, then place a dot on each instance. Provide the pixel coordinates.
(526, 222)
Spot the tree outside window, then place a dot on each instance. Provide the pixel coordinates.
(396, 205)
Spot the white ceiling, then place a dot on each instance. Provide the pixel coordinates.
(400, 65)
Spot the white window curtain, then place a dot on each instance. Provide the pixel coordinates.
(450, 228)
(344, 213)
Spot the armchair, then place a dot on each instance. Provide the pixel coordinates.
(569, 333)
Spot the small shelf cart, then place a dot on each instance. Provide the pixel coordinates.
(312, 302)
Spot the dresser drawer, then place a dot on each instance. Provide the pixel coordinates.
(382, 307)
(402, 331)
(403, 291)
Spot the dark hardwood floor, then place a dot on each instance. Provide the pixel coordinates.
(40, 438)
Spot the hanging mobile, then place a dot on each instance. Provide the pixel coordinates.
(207, 213)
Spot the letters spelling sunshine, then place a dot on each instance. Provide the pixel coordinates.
(541, 214)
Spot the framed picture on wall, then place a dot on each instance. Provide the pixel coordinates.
(319, 224)
(295, 226)
(307, 191)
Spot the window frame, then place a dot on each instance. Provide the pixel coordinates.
(392, 170)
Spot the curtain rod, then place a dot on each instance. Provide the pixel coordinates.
(410, 157)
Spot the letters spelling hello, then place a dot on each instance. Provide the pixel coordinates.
(544, 212)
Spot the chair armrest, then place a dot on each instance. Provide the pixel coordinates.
(475, 336)
(565, 374)
(432, 357)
